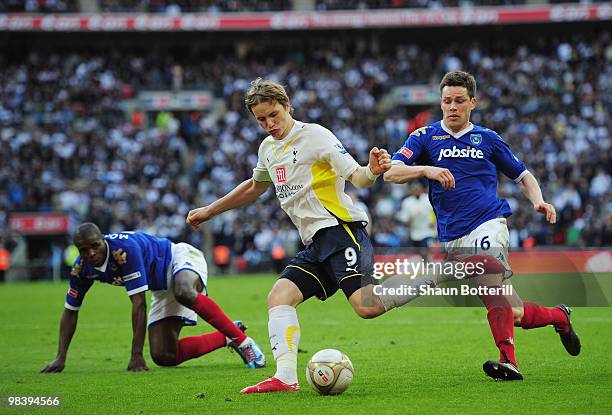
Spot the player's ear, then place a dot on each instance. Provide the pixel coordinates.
(473, 103)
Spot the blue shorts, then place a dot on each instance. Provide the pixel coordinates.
(338, 257)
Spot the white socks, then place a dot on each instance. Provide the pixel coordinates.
(284, 330)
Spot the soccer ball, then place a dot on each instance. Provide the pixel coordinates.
(329, 372)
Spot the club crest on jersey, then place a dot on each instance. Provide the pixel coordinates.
(406, 152)
(76, 270)
(476, 139)
(281, 174)
(120, 256)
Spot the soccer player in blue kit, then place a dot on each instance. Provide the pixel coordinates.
(461, 161)
(176, 275)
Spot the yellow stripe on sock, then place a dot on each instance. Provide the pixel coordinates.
(289, 333)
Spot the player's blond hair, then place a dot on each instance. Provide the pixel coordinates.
(460, 78)
(265, 90)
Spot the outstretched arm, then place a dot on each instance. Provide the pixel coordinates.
(400, 173)
(139, 329)
(531, 189)
(245, 193)
(68, 326)
(379, 162)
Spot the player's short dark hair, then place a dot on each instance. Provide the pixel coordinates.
(460, 78)
(87, 230)
(265, 90)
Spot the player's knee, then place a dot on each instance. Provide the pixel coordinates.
(276, 298)
(518, 313)
(284, 292)
(163, 358)
(184, 293)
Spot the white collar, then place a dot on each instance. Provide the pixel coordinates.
(102, 268)
(460, 133)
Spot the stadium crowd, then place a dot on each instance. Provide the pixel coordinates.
(69, 144)
(215, 6)
(190, 6)
(38, 6)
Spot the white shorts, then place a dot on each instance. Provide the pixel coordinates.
(490, 238)
(163, 303)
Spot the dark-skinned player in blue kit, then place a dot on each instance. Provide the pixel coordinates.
(176, 275)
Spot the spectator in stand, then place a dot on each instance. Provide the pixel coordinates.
(417, 214)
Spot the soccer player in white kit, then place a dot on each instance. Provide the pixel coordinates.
(461, 161)
(308, 167)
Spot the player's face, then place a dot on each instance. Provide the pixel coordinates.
(92, 250)
(456, 107)
(274, 118)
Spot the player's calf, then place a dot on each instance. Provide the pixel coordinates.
(366, 304)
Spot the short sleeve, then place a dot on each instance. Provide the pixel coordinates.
(132, 270)
(341, 160)
(260, 172)
(506, 161)
(411, 150)
(77, 286)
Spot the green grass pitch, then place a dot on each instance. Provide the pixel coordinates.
(412, 360)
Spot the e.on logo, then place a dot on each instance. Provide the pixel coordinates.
(281, 174)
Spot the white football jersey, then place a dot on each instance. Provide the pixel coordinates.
(417, 211)
(309, 168)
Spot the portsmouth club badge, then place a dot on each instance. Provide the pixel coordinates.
(476, 139)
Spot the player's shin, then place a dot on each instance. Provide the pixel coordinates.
(535, 316)
(501, 322)
(284, 330)
(196, 346)
(213, 315)
(397, 291)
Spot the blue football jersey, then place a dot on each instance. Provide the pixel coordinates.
(135, 260)
(473, 157)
